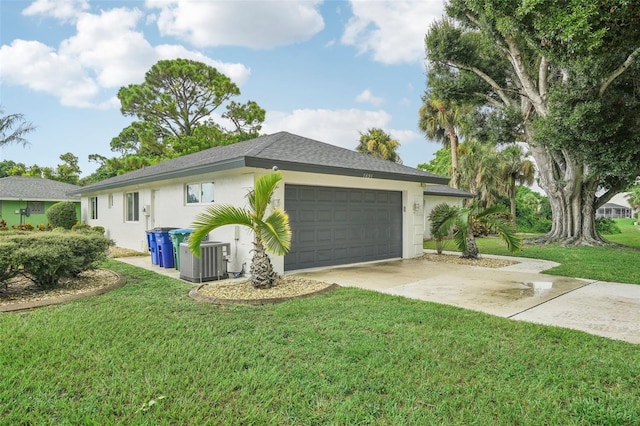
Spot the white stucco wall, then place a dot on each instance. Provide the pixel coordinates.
(430, 201)
(169, 209)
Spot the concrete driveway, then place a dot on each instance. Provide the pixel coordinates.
(518, 292)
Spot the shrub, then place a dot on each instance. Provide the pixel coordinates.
(8, 267)
(99, 229)
(3, 225)
(43, 227)
(78, 226)
(47, 257)
(23, 227)
(606, 225)
(62, 214)
(46, 264)
(439, 211)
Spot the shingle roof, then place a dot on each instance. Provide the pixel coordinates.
(283, 150)
(614, 206)
(35, 189)
(446, 191)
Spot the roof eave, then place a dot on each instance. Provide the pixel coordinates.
(341, 171)
(192, 171)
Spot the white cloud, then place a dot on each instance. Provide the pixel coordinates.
(337, 127)
(106, 52)
(258, 24)
(367, 96)
(393, 30)
(33, 64)
(59, 9)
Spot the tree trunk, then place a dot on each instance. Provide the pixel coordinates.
(262, 273)
(472, 251)
(572, 195)
(512, 198)
(453, 141)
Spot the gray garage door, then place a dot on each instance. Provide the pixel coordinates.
(335, 226)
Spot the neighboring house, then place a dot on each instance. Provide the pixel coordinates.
(614, 211)
(344, 207)
(27, 199)
(438, 194)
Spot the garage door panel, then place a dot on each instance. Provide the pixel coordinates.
(333, 226)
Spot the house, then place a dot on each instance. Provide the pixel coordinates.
(27, 199)
(438, 194)
(344, 207)
(614, 211)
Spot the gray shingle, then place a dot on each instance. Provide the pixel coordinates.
(36, 189)
(284, 150)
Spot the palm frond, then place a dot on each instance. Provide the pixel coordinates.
(260, 196)
(214, 217)
(276, 233)
(506, 230)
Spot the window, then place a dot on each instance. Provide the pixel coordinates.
(36, 207)
(94, 207)
(199, 193)
(132, 207)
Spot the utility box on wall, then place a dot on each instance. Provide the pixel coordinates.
(212, 264)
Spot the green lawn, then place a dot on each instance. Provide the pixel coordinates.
(147, 354)
(600, 263)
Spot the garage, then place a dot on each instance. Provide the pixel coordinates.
(336, 226)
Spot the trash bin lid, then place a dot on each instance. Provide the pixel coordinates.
(181, 231)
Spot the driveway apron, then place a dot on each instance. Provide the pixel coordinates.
(518, 291)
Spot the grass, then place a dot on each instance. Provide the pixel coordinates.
(598, 263)
(146, 354)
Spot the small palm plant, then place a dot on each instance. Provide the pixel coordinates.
(436, 216)
(271, 233)
(461, 220)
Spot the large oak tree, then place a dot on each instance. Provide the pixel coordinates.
(569, 72)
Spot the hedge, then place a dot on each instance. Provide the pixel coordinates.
(50, 256)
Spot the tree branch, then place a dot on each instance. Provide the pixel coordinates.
(525, 79)
(491, 82)
(543, 74)
(615, 74)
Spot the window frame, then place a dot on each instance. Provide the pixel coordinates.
(200, 192)
(39, 204)
(132, 212)
(93, 208)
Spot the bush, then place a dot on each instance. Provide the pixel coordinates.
(8, 267)
(62, 215)
(50, 256)
(47, 264)
(606, 225)
(3, 225)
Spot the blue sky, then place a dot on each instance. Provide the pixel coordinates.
(321, 69)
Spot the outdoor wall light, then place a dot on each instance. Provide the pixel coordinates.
(416, 207)
(275, 203)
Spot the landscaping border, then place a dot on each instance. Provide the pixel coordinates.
(121, 281)
(195, 295)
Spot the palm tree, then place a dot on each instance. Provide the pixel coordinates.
(515, 170)
(271, 233)
(479, 171)
(13, 128)
(461, 220)
(441, 121)
(378, 143)
(633, 197)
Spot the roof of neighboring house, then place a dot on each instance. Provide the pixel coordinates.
(446, 191)
(283, 150)
(614, 206)
(36, 189)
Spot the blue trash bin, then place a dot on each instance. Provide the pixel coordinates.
(164, 247)
(153, 246)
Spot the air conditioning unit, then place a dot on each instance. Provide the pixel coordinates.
(212, 264)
